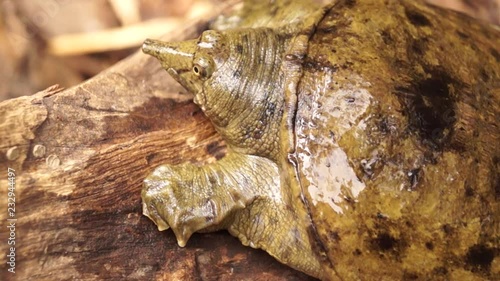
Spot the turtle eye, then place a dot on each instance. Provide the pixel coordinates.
(203, 69)
(198, 70)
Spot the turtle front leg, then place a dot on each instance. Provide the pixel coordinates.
(241, 193)
(189, 198)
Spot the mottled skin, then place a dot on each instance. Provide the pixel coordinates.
(363, 139)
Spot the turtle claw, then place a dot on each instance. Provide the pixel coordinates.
(181, 230)
(182, 237)
(182, 226)
(160, 223)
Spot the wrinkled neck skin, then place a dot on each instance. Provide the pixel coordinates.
(243, 98)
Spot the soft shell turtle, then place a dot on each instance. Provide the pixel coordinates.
(363, 139)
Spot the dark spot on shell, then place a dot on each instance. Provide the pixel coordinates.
(383, 125)
(319, 64)
(469, 191)
(480, 257)
(408, 224)
(441, 270)
(417, 18)
(414, 176)
(350, 99)
(334, 23)
(410, 276)
(447, 229)
(334, 235)
(430, 158)
(418, 47)
(430, 107)
(357, 252)
(347, 65)
(429, 245)
(384, 242)
(386, 37)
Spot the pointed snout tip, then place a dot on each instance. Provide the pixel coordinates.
(158, 48)
(150, 46)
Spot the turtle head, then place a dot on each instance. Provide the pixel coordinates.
(177, 59)
(195, 64)
(232, 74)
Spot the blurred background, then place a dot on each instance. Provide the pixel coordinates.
(47, 42)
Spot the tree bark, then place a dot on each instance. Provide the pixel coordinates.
(80, 156)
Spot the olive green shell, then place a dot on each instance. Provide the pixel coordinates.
(397, 142)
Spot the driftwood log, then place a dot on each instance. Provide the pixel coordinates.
(79, 157)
